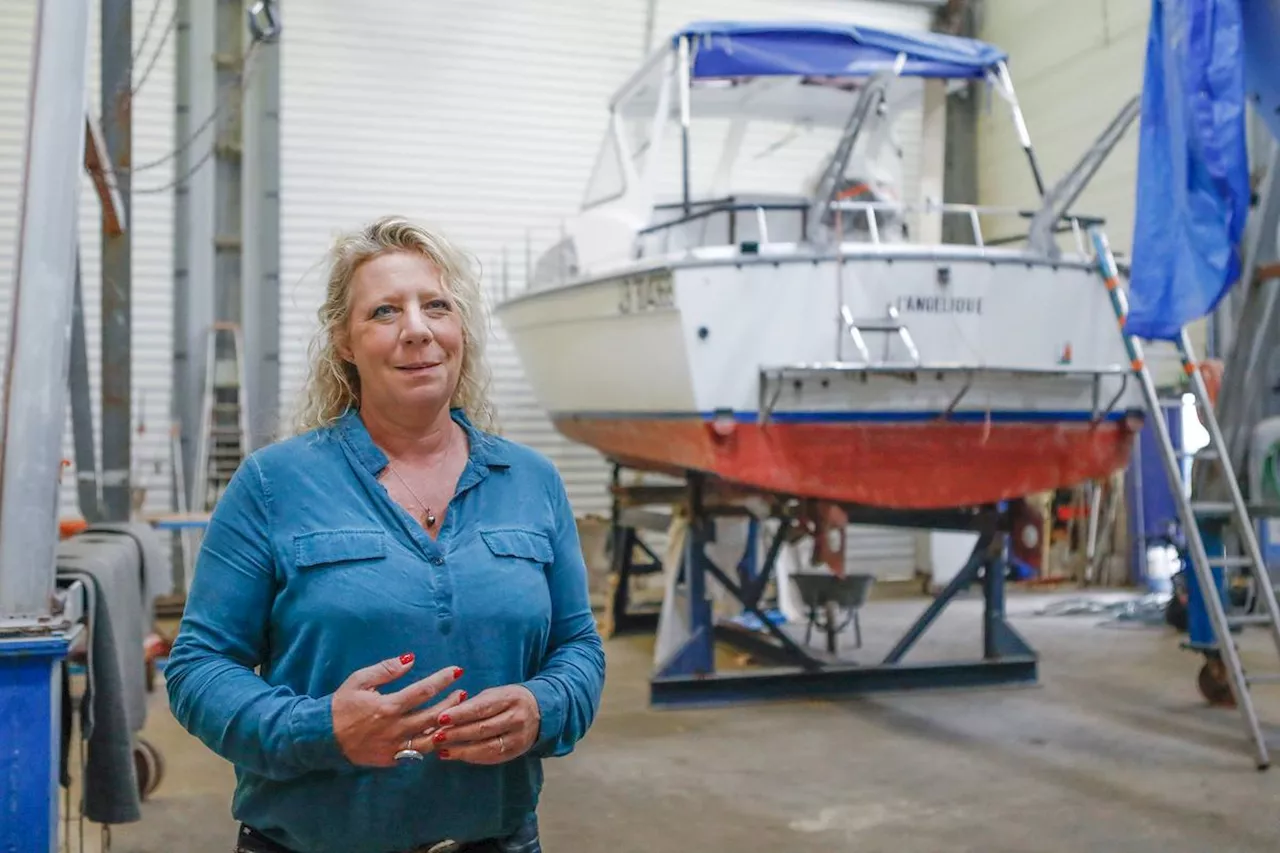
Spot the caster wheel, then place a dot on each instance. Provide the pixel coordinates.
(1213, 684)
(149, 766)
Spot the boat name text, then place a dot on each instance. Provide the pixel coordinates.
(939, 304)
(646, 293)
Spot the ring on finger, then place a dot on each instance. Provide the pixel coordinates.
(502, 744)
(408, 753)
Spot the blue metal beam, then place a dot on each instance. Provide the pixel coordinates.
(687, 676)
(836, 681)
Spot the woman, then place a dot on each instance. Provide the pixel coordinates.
(409, 587)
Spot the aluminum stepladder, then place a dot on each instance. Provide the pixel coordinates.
(224, 428)
(1233, 513)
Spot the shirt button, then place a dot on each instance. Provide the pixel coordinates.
(439, 561)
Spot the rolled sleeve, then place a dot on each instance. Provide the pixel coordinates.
(213, 690)
(570, 682)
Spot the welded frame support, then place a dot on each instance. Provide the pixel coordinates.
(688, 676)
(33, 641)
(117, 261)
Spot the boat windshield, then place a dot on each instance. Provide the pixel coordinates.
(763, 137)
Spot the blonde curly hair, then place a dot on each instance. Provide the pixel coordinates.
(333, 385)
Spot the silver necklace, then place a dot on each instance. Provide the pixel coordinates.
(429, 516)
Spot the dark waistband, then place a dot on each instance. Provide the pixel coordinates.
(252, 841)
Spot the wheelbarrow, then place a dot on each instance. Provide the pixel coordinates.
(832, 603)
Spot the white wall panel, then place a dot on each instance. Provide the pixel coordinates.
(151, 227)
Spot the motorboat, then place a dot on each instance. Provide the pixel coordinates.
(764, 286)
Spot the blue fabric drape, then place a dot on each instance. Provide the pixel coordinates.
(1193, 168)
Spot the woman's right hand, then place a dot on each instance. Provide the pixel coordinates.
(371, 727)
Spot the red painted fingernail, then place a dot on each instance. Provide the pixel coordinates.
(462, 695)
(438, 737)
(406, 658)
(457, 672)
(444, 720)
(443, 753)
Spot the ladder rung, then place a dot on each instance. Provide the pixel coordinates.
(1235, 561)
(1265, 678)
(1249, 619)
(1218, 508)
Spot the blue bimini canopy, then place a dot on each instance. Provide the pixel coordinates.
(763, 48)
(1193, 166)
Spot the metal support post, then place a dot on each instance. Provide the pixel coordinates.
(195, 103)
(88, 487)
(117, 289)
(262, 253)
(228, 151)
(36, 369)
(33, 643)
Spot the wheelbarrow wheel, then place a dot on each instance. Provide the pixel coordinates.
(149, 765)
(1214, 685)
(833, 626)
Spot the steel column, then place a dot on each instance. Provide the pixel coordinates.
(33, 643)
(261, 308)
(117, 290)
(195, 103)
(40, 318)
(228, 241)
(88, 488)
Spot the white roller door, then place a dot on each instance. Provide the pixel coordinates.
(151, 227)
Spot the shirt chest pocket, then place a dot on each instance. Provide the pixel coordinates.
(519, 548)
(338, 549)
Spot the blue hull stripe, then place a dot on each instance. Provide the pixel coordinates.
(966, 416)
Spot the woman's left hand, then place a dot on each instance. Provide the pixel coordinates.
(494, 726)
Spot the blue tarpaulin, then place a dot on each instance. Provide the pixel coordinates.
(763, 48)
(1193, 166)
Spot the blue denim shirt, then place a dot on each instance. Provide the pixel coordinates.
(309, 571)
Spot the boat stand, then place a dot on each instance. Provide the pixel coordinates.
(686, 672)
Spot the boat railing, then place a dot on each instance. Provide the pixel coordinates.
(879, 216)
(773, 380)
(725, 222)
(758, 226)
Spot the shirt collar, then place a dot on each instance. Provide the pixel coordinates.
(486, 450)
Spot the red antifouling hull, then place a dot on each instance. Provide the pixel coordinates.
(922, 465)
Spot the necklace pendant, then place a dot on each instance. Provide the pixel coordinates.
(431, 519)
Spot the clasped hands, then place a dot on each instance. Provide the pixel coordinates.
(496, 725)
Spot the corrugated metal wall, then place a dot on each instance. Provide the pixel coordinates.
(152, 225)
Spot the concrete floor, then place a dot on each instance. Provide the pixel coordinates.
(1115, 751)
